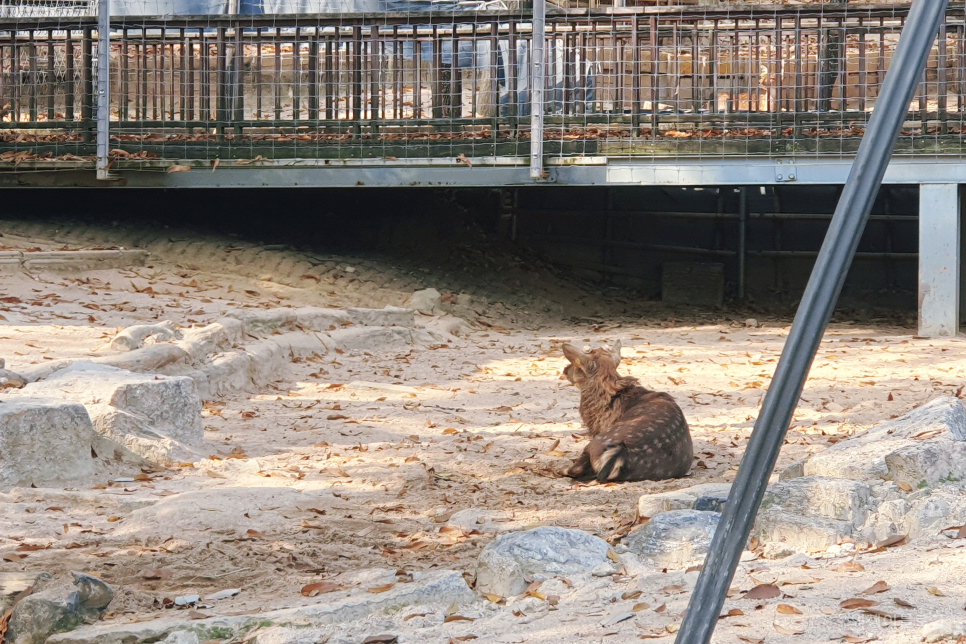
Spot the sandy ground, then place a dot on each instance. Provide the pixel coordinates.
(313, 479)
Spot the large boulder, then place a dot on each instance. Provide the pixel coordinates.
(58, 608)
(44, 441)
(157, 417)
(925, 447)
(507, 563)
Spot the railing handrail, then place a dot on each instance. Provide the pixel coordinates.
(832, 11)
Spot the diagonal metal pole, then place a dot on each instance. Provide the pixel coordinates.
(813, 315)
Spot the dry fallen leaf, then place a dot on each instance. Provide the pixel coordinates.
(857, 602)
(850, 566)
(381, 639)
(763, 591)
(311, 590)
(179, 168)
(788, 609)
(895, 540)
(877, 587)
(784, 630)
(457, 618)
(751, 640)
(903, 603)
(254, 534)
(933, 590)
(382, 589)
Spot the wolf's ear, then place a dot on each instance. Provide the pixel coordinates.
(615, 352)
(573, 354)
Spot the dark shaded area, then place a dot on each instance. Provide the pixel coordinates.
(618, 236)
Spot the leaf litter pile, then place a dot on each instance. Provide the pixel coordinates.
(328, 482)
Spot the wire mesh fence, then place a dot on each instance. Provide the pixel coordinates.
(454, 85)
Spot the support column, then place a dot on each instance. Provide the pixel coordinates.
(939, 235)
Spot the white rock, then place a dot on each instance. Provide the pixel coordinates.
(924, 447)
(943, 629)
(388, 316)
(791, 533)
(435, 590)
(425, 301)
(156, 417)
(674, 539)
(380, 339)
(650, 505)
(44, 441)
(181, 637)
(816, 496)
(505, 563)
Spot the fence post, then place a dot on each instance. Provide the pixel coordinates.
(103, 88)
(537, 83)
(818, 302)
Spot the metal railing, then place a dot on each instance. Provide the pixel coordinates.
(650, 82)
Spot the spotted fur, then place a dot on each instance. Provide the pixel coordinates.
(636, 433)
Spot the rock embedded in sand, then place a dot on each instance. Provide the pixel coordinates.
(505, 564)
(156, 417)
(674, 539)
(943, 629)
(435, 591)
(709, 494)
(58, 608)
(44, 441)
(426, 301)
(924, 447)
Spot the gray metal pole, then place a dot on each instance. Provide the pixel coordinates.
(103, 87)
(816, 308)
(537, 54)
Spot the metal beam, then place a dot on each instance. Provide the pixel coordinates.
(378, 173)
(939, 254)
(818, 302)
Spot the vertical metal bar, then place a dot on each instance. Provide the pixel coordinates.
(943, 82)
(742, 239)
(635, 77)
(122, 111)
(103, 87)
(69, 90)
(190, 89)
(237, 106)
(296, 74)
(313, 76)
(87, 107)
(538, 48)
(494, 91)
(32, 74)
(819, 299)
(330, 78)
(655, 78)
(51, 76)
